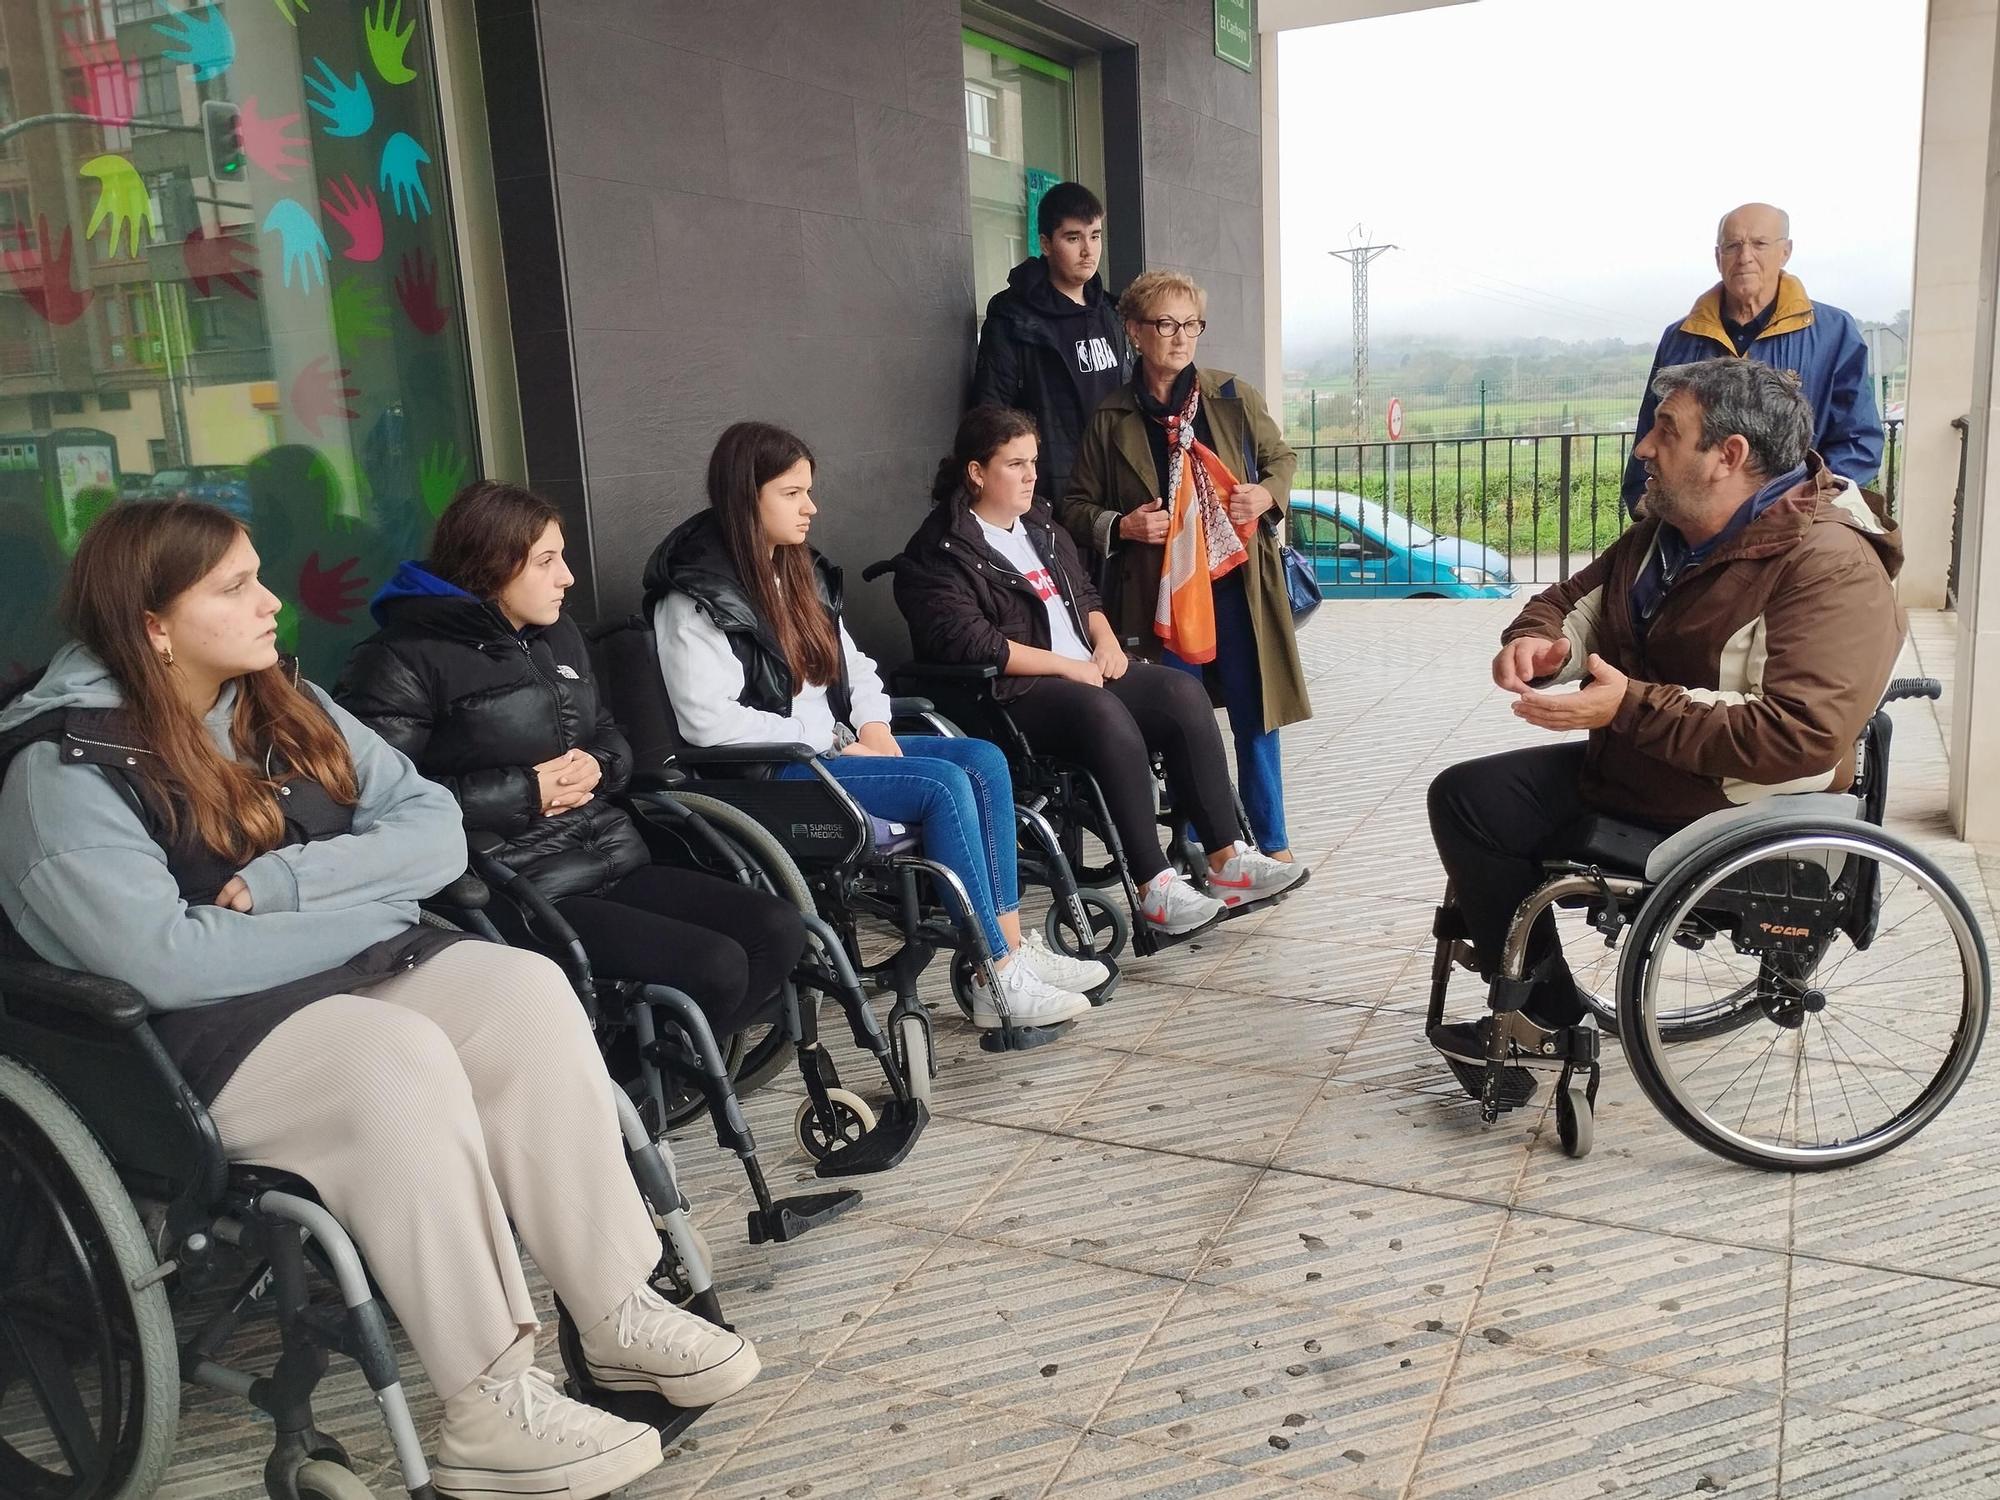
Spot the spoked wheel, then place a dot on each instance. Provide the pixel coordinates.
(1594, 965)
(684, 1098)
(1853, 1049)
(852, 1119)
(1109, 926)
(89, 1372)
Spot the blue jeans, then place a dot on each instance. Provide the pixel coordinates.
(959, 793)
(1259, 776)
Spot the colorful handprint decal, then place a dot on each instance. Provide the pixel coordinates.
(347, 107)
(332, 594)
(417, 290)
(201, 39)
(441, 474)
(220, 255)
(388, 40)
(320, 393)
(40, 272)
(359, 213)
(270, 144)
(401, 157)
(122, 201)
(304, 247)
(358, 313)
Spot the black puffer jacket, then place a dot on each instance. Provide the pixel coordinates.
(694, 560)
(1052, 358)
(965, 603)
(477, 707)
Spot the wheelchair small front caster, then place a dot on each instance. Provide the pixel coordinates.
(852, 1119)
(1576, 1111)
(911, 1050)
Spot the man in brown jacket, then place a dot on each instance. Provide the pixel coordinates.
(1732, 644)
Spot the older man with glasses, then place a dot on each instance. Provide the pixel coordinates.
(1760, 311)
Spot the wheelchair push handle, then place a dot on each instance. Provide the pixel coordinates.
(1913, 687)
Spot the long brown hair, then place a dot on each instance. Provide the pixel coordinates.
(780, 582)
(137, 560)
(486, 534)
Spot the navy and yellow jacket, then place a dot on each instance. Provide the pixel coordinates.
(1818, 342)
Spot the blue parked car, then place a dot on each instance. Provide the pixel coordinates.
(1361, 551)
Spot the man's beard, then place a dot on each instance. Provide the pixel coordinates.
(1664, 505)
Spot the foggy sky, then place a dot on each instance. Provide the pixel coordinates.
(1556, 167)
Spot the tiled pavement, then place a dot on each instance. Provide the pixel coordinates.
(1236, 1238)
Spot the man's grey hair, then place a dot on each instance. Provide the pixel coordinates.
(1784, 221)
(1742, 396)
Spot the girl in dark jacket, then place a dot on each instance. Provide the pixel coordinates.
(480, 678)
(990, 577)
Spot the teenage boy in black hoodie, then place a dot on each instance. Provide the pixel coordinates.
(1053, 345)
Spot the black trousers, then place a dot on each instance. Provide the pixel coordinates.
(727, 947)
(1111, 732)
(1495, 820)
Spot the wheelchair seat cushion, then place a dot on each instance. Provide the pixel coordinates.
(1611, 843)
(1676, 847)
(893, 838)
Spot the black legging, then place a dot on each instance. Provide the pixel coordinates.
(1110, 732)
(727, 946)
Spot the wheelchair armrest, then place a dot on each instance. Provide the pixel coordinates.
(467, 893)
(544, 921)
(655, 779)
(109, 1002)
(950, 671)
(743, 755)
(903, 707)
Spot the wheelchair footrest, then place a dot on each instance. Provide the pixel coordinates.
(639, 1406)
(789, 1218)
(1103, 993)
(897, 1126)
(1020, 1038)
(1514, 1088)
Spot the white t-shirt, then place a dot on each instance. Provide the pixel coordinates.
(1018, 548)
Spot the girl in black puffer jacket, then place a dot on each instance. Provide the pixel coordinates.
(480, 678)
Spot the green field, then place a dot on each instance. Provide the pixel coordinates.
(1613, 413)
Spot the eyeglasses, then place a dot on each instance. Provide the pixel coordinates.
(1166, 328)
(1731, 249)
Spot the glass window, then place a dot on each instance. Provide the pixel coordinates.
(258, 297)
(1020, 136)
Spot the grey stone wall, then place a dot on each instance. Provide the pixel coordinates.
(764, 213)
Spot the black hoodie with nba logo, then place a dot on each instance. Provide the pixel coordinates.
(1052, 358)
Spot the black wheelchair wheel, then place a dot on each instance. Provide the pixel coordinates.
(323, 1479)
(89, 1370)
(1855, 1047)
(1594, 964)
(1109, 927)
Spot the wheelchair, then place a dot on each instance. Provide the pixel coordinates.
(1794, 988)
(1059, 804)
(657, 1069)
(117, 1205)
(721, 808)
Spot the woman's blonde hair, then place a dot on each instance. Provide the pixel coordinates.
(1147, 290)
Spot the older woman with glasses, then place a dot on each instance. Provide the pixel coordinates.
(1180, 484)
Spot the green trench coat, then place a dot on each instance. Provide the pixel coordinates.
(1115, 473)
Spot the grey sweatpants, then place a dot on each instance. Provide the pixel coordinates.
(429, 1110)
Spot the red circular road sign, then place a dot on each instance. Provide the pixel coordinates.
(1395, 418)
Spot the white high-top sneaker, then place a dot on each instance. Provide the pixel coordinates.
(1170, 904)
(512, 1434)
(1059, 969)
(1250, 876)
(1030, 999)
(648, 1344)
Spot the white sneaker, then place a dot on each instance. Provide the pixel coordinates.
(1059, 969)
(1170, 904)
(1250, 876)
(648, 1344)
(509, 1436)
(1030, 999)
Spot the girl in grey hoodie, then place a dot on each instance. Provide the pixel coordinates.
(179, 812)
